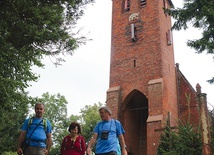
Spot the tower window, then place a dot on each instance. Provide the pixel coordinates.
(127, 5)
(133, 33)
(169, 37)
(142, 3)
(165, 6)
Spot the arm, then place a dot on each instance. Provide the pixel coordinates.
(20, 141)
(122, 144)
(48, 143)
(91, 143)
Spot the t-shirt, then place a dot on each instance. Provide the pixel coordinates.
(38, 138)
(114, 129)
(118, 148)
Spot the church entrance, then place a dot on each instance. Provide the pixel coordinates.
(135, 114)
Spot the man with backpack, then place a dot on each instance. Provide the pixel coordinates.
(35, 137)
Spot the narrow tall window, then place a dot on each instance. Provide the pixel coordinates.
(142, 3)
(134, 63)
(169, 37)
(133, 33)
(165, 6)
(127, 5)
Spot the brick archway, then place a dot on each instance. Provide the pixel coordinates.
(134, 116)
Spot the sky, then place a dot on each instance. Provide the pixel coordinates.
(84, 78)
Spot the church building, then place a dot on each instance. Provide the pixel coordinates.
(146, 87)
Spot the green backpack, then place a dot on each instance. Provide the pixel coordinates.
(44, 123)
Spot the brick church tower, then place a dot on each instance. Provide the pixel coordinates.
(146, 88)
(143, 89)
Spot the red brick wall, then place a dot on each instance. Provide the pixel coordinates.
(137, 65)
(153, 137)
(154, 59)
(187, 99)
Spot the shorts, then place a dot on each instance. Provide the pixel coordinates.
(32, 150)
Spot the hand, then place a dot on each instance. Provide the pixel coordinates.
(88, 151)
(46, 152)
(19, 151)
(124, 152)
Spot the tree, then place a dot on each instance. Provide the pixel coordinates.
(199, 14)
(185, 140)
(62, 133)
(90, 117)
(10, 119)
(29, 31)
(56, 112)
(32, 29)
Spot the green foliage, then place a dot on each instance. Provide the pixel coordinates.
(56, 112)
(9, 153)
(29, 31)
(184, 140)
(199, 14)
(62, 133)
(40, 27)
(11, 118)
(90, 117)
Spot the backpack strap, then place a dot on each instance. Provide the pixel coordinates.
(29, 123)
(44, 121)
(34, 129)
(45, 124)
(116, 127)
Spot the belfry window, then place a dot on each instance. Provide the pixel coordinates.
(127, 5)
(142, 3)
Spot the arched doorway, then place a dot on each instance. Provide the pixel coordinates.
(134, 115)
